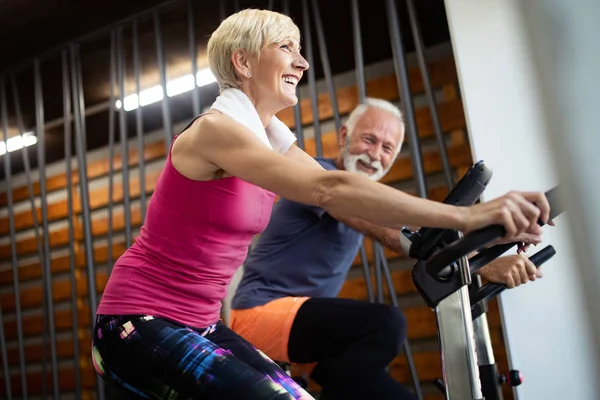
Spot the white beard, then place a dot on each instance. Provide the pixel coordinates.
(351, 160)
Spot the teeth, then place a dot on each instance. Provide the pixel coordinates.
(290, 79)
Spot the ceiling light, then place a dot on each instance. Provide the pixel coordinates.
(18, 142)
(174, 87)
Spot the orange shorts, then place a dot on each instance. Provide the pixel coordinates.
(267, 327)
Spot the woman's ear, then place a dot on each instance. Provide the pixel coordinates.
(241, 64)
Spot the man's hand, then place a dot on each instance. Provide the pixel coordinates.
(511, 271)
(524, 240)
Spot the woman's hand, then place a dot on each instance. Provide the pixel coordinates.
(518, 212)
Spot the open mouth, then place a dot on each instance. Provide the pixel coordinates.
(290, 80)
(366, 167)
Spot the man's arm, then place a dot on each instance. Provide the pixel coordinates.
(390, 238)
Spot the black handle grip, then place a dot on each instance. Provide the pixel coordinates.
(468, 244)
(481, 237)
(543, 255)
(486, 256)
(491, 290)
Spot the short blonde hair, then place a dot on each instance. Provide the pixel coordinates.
(250, 30)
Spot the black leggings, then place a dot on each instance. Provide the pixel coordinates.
(352, 343)
(158, 359)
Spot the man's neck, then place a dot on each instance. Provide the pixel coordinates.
(339, 163)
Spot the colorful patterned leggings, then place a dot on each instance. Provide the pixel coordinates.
(159, 359)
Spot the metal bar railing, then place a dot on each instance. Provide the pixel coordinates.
(44, 324)
(437, 127)
(14, 261)
(326, 67)
(401, 73)
(406, 97)
(298, 122)
(5, 370)
(88, 230)
(70, 215)
(123, 137)
(193, 57)
(358, 53)
(297, 112)
(163, 81)
(36, 224)
(77, 91)
(314, 95)
(367, 271)
(92, 110)
(407, 351)
(139, 124)
(378, 278)
(81, 101)
(362, 95)
(41, 149)
(111, 145)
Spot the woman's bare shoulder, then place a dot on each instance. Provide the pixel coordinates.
(189, 151)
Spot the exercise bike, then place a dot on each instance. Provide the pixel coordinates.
(444, 277)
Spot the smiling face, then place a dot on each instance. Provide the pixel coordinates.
(371, 148)
(275, 73)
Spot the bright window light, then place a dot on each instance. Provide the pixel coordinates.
(176, 86)
(18, 142)
(180, 85)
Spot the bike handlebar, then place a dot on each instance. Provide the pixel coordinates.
(477, 239)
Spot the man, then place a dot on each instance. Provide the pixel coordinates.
(286, 303)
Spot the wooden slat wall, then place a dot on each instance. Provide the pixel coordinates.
(421, 324)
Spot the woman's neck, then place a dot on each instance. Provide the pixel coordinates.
(265, 113)
(265, 116)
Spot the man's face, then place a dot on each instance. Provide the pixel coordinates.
(371, 148)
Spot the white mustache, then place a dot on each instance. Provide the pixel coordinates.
(376, 165)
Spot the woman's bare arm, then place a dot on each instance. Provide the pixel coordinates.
(235, 149)
(298, 154)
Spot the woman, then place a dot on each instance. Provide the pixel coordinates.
(158, 331)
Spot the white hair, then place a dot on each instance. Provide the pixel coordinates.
(379, 104)
(350, 160)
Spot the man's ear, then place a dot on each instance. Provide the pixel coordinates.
(241, 63)
(343, 136)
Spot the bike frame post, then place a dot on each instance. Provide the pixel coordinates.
(458, 346)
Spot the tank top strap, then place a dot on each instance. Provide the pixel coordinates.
(194, 120)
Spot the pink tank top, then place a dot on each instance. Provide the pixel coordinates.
(195, 236)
